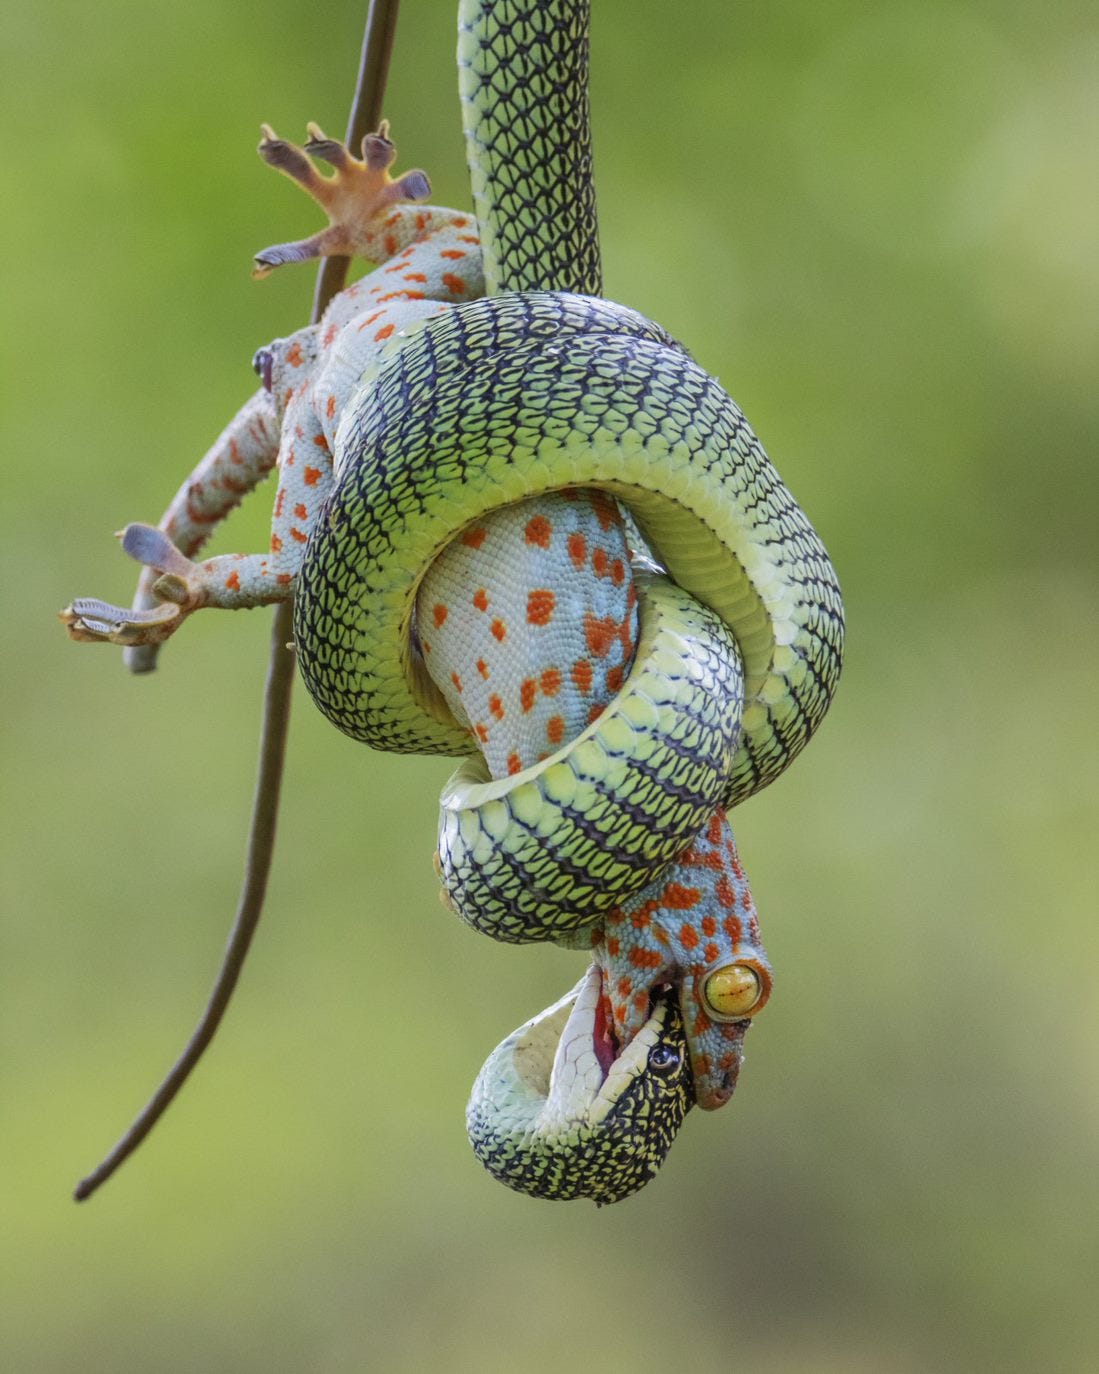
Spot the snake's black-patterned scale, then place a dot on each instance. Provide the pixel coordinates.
(529, 144)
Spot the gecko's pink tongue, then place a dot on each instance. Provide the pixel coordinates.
(603, 1038)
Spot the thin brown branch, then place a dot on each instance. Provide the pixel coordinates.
(366, 110)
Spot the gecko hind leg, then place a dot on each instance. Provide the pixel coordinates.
(355, 194)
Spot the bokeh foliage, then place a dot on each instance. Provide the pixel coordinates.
(876, 223)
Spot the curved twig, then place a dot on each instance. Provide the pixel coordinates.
(365, 115)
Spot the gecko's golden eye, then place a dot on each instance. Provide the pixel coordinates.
(734, 991)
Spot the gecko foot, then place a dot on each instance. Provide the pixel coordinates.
(358, 191)
(89, 621)
(179, 588)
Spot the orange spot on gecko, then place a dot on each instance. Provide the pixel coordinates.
(233, 581)
(439, 613)
(301, 512)
(415, 276)
(613, 946)
(581, 675)
(642, 917)
(330, 408)
(389, 243)
(499, 630)
(311, 476)
(600, 562)
(688, 936)
(482, 734)
(614, 679)
(474, 538)
(641, 1001)
(480, 599)
(297, 534)
(551, 682)
(457, 682)
(594, 714)
(539, 531)
(618, 572)
(293, 354)
(646, 958)
(540, 606)
(680, 898)
(321, 442)
(496, 707)
(600, 633)
(606, 511)
(528, 690)
(454, 284)
(555, 729)
(276, 544)
(279, 499)
(515, 763)
(283, 579)
(384, 332)
(723, 891)
(482, 668)
(455, 253)
(710, 953)
(708, 925)
(578, 550)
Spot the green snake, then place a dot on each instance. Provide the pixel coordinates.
(538, 388)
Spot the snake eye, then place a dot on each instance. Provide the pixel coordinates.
(663, 1060)
(734, 991)
(261, 365)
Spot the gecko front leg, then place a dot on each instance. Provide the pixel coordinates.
(431, 260)
(173, 586)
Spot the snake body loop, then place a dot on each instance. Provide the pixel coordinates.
(512, 396)
(536, 854)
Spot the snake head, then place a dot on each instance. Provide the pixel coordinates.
(558, 1112)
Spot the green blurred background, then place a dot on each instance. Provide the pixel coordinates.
(875, 221)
